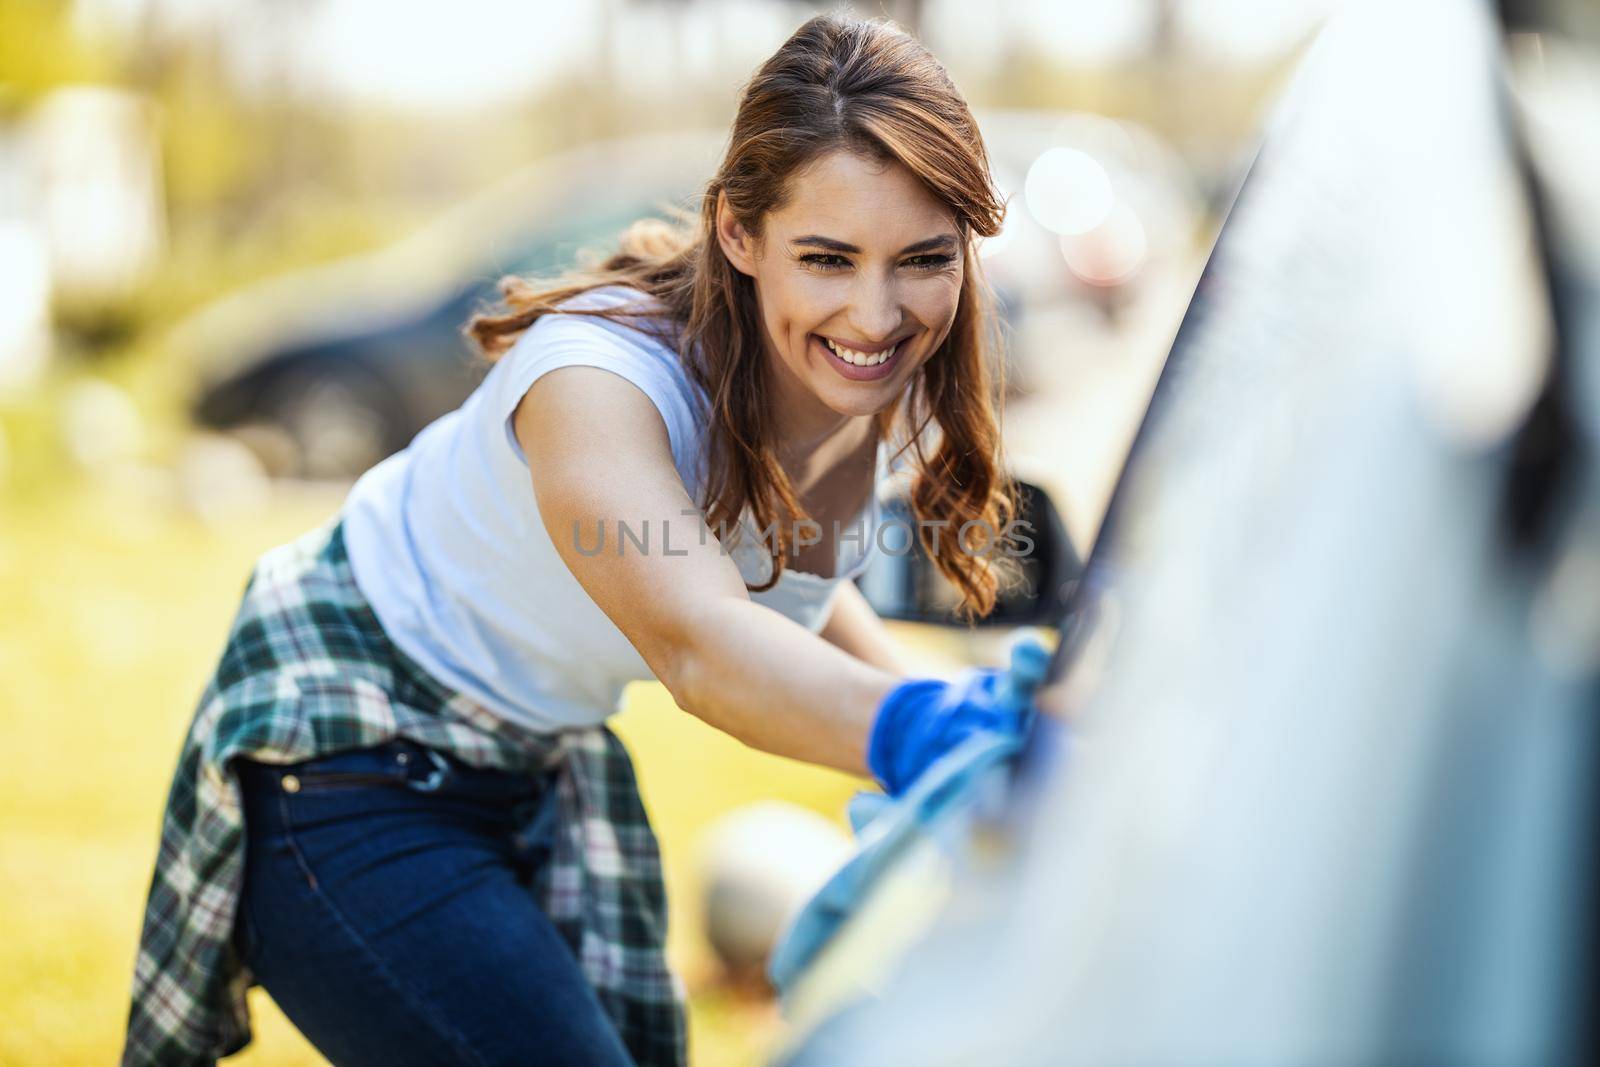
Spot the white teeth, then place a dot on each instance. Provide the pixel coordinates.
(860, 359)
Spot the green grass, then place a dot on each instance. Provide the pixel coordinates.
(115, 607)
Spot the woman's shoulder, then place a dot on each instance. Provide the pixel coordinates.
(639, 345)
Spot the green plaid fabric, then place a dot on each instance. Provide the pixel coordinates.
(308, 671)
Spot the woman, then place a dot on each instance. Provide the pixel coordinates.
(398, 808)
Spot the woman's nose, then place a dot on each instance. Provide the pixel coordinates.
(875, 312)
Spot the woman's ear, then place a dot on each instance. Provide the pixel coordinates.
(737, 243)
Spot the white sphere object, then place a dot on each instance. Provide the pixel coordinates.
(759, 865)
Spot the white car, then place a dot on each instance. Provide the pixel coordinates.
(1322, 784)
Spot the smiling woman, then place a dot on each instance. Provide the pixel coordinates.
(876, 310)
(839, 226)
(399, 808)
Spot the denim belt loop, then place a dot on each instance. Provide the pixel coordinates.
(436, 776)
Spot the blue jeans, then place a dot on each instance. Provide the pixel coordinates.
(386, 910)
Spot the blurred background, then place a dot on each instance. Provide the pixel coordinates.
(237, 243)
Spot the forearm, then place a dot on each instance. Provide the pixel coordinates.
(854, 627)
(776, 686)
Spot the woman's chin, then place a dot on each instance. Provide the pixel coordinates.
(859, 399)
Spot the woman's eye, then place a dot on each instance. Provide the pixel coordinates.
(828, 261)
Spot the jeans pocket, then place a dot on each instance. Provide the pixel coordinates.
(318, 780)
(388, 765)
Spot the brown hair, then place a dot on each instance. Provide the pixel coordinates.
(866, 86)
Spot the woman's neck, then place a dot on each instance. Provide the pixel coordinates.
(808, 457)
(811, 439)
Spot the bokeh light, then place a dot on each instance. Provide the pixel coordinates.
(1068, 191)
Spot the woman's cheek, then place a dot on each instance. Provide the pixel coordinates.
(942, 305)
(810, 292)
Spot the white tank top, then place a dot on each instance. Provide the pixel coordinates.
(446, 543)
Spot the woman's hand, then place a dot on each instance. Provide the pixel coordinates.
(921, 719)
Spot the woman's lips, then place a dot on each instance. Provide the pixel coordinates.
(860, 374)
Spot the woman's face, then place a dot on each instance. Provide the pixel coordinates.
(863, 257)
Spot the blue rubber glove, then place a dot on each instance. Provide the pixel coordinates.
(921, 719)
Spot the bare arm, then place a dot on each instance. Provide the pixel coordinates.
(599, 453)
(854, 627)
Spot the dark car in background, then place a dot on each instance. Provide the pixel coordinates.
(326, 372)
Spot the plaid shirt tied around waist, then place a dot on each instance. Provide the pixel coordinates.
(308, 671)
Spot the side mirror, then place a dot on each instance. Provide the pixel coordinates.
(904, 584)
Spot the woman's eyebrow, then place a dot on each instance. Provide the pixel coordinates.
(944, 241)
